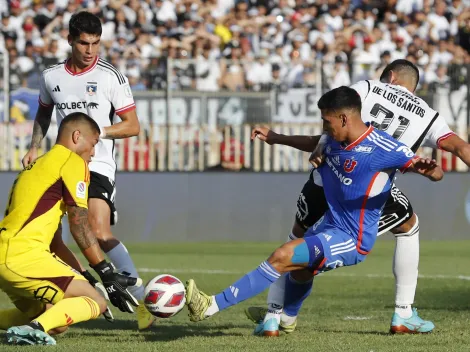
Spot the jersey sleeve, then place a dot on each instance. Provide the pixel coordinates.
(76, 179)
(397, 157)
(121, 96)
(439, 131)
(45, 98)
(362, 88)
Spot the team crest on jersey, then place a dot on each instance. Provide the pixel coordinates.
(349, 165)
(91, 88)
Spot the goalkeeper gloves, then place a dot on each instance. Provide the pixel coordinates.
(116, 285)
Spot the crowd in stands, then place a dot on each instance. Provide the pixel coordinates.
(242, 45)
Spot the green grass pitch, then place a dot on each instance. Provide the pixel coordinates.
(350, 308)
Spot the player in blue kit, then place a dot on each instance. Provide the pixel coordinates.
(360, 163)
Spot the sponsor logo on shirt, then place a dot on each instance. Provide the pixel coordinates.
(71, 105)
(363, 149)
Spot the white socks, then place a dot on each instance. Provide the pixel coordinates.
(213, 308)
(405, 269)
(121, 259)
(276, 293)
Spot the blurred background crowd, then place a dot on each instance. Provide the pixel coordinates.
(242, 45)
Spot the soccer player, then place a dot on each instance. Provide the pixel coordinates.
(390, 105)
(360, 164)
(88, 84)
(33, 277)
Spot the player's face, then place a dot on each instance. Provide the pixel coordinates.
(85, 48)
(333, 125)
(86, 143)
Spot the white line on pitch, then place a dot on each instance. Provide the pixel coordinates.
(231, 272)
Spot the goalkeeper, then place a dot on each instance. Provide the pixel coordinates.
(48, 294)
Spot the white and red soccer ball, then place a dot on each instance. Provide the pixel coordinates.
(164, 296)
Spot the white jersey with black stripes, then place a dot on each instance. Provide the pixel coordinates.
(401, 114)
(101, 91)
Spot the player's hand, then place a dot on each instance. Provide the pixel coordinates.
(30, 156)
(427, 167)
(116, 285)
(265, 134)
(108, 314)
(317, 157)
(423, 165)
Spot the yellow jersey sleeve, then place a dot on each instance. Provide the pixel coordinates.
(76, 179)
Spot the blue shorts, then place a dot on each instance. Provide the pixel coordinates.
(339, 247)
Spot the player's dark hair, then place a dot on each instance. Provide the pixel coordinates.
(404, 68)
(84, 22)
(340, 98)
(79, 117)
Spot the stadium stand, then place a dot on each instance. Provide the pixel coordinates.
(278, 40)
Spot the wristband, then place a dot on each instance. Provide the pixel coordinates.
(102, 133)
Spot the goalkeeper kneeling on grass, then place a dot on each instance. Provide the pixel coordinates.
(48, 294)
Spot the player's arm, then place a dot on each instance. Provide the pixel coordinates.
(60, 249)
(401, 157)
(303, 143)
(115, 283)
(42, 122)
(83, 235)
(425, 167)
(120, 96)
(75, 177)
(128, 127)
(458, 147)
(441, 136)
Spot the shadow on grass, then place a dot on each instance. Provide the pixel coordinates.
(160, 331)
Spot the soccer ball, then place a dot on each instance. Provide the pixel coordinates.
(164, 296)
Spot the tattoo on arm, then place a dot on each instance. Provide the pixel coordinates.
(41, 125)
(80, 227)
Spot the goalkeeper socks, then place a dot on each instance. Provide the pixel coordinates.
(121, 259)
(248, 286)
(296, 293)
(12, 317)
(68, 311)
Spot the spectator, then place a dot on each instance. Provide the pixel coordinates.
(208, 73)
(293, 34)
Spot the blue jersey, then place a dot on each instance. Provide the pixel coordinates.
(357, 180)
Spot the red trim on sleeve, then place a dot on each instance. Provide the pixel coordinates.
(444, 137)
(125, 109)
(44, 104)
(408, 164)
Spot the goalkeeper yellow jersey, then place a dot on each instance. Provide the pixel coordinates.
(38, 200)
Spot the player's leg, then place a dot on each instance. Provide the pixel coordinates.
(294, 255)
(311, 205)
(72, 298)
(102, 214)
(399, 218)
(335, 248)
